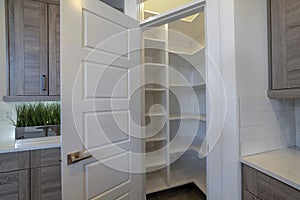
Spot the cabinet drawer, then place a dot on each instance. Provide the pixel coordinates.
(248, 196)
(45, 157)
(249, 179)
(15, 185)
(257, 185)
(14, 161)
(270, 189)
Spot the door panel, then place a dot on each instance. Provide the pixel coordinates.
(99, 55)
(96, 186)
(97, 40)
(99, 124)
(101, 81)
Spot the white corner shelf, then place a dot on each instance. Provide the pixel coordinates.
(155, 89)
(159, 59)
(157, 138)
(184, 143)
(183, 86)
(181, 177)
(155, 183)
(153, 65)
(152, 39)
(155, 161)
(186, 116)
(158, 114)
(187, 53)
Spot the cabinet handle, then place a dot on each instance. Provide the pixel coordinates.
(43, 82)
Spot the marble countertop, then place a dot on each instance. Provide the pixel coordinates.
(29, 144)
(283, 165)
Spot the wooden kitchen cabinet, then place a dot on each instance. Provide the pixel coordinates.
(257, 185)
(31, 175)
(284, 48)
(33, 50)
(15, 185)
(46, 183)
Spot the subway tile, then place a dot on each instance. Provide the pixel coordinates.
(263, 132)
(266, 118)
(265, 104)
(268, 144)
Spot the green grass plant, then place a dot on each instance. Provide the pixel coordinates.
(37, 114)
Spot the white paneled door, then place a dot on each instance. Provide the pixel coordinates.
(101, 103)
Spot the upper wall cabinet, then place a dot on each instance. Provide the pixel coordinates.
(33, 50)
(284, 48)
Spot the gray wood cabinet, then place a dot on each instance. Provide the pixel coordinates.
(257, 185)
(31, 175)
(33, 45)
(15, 185)
(284, 48)
(46, 183)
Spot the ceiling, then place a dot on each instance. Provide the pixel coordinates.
(194, 29)
(160, 6)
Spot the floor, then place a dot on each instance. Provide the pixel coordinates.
(186, 192)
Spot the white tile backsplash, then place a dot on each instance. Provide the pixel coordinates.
(251, 147)
(7, 130)
(266, 125)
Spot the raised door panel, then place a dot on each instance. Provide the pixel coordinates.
(14, 161)
(45, 157)
(15, 185)
(54, 50)
(278, 29)
(293, 43)
(46, 183)
(16, 47)
(285, 33)
(28, 47)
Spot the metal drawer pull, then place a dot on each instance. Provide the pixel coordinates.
(78, 156)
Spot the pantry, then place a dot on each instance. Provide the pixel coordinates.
(173, 57)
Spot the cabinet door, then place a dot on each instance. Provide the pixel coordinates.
(285, 40)
(15, 185)
(46, 183)
(45, 157)
(14, 161)
(28, 47)
(54, 50)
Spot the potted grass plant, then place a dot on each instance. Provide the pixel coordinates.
(35, 118)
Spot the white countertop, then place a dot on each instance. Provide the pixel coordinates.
(29, 144)
(283, 165)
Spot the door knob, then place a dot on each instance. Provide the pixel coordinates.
(78, 157)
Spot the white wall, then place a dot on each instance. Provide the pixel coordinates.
(2, 50)
(297, 119)
(223, 159)
(6, 130)
(264, 124)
